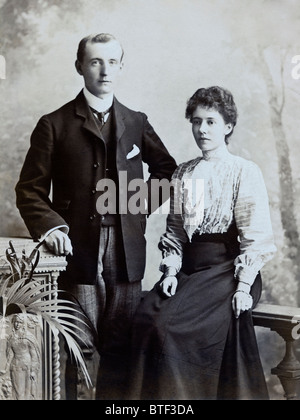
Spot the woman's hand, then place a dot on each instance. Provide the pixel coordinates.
(241, 302)
(169, 286)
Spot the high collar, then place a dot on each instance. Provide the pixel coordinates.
(99, 104)
(216, 154)
(83, 110)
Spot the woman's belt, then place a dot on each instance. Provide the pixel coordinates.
(229, 238)
(212, 237)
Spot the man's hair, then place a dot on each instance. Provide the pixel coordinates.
(216, 98)
(95, 38)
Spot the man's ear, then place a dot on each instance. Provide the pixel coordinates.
(78, 67)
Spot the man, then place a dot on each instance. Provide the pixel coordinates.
(89, 139)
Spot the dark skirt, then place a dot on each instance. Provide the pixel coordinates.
(191, 346)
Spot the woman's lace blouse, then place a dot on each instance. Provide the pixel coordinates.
(210, 193)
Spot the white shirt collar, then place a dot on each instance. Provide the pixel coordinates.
(98, 104)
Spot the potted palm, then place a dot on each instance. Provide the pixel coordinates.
(22, 297)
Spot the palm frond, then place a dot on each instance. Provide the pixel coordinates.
(19, 292)
(12, 290)
(3, 287)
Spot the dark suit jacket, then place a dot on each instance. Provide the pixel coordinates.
(67, 151)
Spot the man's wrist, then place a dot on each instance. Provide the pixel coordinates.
(62, 228)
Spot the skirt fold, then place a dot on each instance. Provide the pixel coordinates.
(190, 346)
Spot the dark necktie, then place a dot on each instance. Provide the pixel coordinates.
(101, 115)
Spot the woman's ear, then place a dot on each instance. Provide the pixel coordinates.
(78, 67)
(228, 128)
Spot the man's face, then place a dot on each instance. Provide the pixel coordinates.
(101, 67)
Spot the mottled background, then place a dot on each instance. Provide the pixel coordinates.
(172, 47)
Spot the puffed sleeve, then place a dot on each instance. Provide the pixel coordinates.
(172, 241)
(253, 221)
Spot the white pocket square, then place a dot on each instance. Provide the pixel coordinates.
(135, 151)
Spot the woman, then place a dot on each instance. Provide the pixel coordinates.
(193, 336)
(23, 360)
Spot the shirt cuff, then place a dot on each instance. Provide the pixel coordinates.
(63, 228)
(173, 261)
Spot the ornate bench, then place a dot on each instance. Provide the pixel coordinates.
(47, 382)
(285, 321)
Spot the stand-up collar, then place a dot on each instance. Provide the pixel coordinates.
(99, 104)
(83, 110)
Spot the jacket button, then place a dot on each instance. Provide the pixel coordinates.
(93, 191)
(96, 165)
(92, 217)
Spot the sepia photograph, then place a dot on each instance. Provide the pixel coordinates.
(150, 202)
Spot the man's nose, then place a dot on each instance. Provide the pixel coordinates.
(103, 69)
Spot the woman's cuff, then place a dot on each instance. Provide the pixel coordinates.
(170, 271)
(171, 262)
(246, 274)
(244, 287)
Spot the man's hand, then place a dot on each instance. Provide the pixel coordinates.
(59, 243)
(169, 286)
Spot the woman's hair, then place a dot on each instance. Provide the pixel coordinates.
(102, 38)
(216, 98)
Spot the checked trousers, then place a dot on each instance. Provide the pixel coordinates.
(110, 305)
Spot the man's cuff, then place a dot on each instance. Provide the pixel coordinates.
(63, 228)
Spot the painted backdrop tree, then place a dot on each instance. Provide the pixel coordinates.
(268, 50)
(277, 98)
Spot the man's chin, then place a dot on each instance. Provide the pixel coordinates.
(101, 92)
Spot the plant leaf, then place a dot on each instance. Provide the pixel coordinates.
(29, 296)
(5, 284)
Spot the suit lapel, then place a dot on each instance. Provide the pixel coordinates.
(83, 111)
(119, 118)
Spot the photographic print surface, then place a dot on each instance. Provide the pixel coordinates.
(171, 48)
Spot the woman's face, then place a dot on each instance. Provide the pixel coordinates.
(209, 128)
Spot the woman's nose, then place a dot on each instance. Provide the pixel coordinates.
(203, 127)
